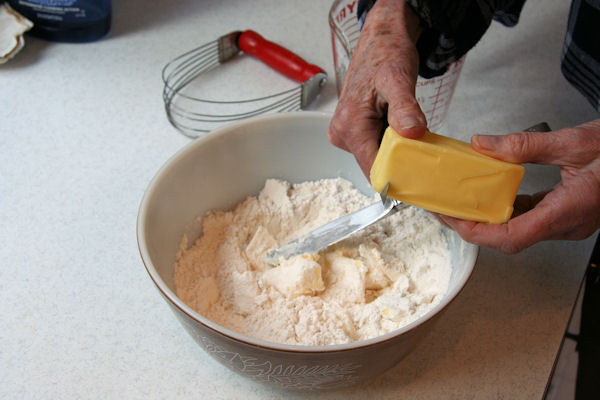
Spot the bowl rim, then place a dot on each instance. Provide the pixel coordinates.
(239, 337)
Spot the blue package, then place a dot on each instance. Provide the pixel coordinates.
(66, 20)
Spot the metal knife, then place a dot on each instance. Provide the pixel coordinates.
(336, 230)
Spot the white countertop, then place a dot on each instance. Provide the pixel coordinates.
(83, 130)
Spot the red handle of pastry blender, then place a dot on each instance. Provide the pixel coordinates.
(277, 57)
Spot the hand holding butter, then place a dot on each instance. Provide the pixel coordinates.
(446, 176)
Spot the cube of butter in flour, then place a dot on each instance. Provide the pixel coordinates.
(446, 176)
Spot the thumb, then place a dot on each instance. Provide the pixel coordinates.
(522, 147)
(397, 88)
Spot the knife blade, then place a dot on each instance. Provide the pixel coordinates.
(336, 230)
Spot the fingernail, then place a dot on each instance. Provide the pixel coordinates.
(485, 142)
(409, 122)
(412, 127)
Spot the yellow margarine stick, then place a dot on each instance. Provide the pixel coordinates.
(446, 176)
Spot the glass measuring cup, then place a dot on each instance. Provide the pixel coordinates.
(434, 95)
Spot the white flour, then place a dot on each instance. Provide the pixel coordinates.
(376, 281)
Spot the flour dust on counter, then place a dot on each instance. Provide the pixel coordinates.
(376, 281)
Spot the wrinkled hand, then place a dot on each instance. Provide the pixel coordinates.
(570, 211)
(380, 82)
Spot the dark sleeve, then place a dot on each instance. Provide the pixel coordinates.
(580, 62)
(452, 27)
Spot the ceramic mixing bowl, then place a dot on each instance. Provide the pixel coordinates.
(221, 169)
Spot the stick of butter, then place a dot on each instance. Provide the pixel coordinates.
(446, 176)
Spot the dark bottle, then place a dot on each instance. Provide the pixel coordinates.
(66, 20)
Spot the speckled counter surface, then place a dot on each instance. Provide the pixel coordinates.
(83, 130)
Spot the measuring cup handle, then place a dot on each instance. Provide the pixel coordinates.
(277, 57)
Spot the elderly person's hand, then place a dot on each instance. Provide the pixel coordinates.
(570, 210)
(380, 84)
